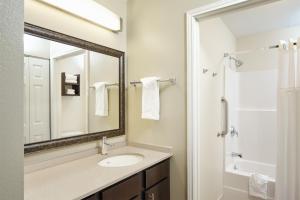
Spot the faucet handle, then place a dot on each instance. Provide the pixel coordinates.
(104, 141)
(233, 131)
(104, 145)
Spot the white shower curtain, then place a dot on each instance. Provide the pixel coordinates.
(288, 155)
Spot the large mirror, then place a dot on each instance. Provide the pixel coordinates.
(73, 90)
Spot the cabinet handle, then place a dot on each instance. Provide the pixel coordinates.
(151, 196)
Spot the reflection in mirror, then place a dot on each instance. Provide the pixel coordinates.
(103, 68)
(68, 91)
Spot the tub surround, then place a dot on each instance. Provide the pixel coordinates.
(83, 177)
(236, 179)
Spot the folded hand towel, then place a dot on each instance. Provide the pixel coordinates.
(70, 91)
(150, 98)
(70, 81)
(71, 77)
(258, 186)
(101, 102)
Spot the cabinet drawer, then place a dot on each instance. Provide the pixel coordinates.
(157, 173)
(160, 191)
(125, 190)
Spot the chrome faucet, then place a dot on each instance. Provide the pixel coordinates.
(234, 155)
(104, 146)
(233, 131)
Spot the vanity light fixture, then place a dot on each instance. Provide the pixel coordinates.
(88, 10)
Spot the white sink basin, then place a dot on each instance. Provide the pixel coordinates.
(121, 160)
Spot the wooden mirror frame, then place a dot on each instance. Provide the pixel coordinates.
(69, 40)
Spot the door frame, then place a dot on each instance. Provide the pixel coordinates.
(193, 80)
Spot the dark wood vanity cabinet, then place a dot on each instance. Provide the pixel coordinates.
(161, 191)
(125, 190)
(93, 197)
(150, 184)
(157, 182)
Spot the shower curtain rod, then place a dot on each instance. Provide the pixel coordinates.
(277, 46)
(239, 62)
(252, 50)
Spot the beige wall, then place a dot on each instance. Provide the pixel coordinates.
(156, 47)
(11, 100)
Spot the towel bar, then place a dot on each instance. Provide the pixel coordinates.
(107, 85)
(171, 80)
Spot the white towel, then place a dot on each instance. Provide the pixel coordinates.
(71, 81)
(258, 186)
(150, 98)
(70, 91)
(101, 101)
(70, 77)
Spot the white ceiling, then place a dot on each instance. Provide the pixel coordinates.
(282, 14)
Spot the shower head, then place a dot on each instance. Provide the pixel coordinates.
(238, 63)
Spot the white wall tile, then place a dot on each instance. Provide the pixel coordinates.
(257, 139)
(257, 89)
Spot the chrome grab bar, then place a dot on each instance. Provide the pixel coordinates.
(224, 119)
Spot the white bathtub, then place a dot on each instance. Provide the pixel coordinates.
(237, 175)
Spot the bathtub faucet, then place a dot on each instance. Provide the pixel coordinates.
(233, 154)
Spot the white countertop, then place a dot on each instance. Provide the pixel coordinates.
(80, 178)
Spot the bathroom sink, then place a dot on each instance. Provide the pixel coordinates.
(121, 160)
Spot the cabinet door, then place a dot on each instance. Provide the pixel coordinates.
(126, 190)
(157, 173)
(161, 191)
